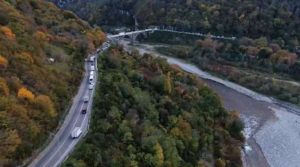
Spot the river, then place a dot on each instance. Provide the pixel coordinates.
(272, 132)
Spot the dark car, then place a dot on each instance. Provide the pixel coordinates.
(84, 110)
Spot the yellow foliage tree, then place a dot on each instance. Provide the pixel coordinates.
(9, 141)
(96, 38)
(220, 163)
(3, 61)
(184, 127)
(27, 57)
(8, 33)
(19, 111)
(26, 94)
(168, 86)
(44, 103)
(4, 90)
(40, 35)
(159, 154)
(101, 36)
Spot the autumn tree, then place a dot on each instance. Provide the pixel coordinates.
(261, 42)
(184, 127)
(40, 37)
(159, 155)
(69, 15)
(4, 90)
(26, 57)
(45, 104)
(3, 62)
(23, 93)
(168, 86)
(9, 141)
(208, 45)
(252, 51)
(7, 32)
(220, 163)
(283, 56)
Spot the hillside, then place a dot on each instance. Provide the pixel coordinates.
(274, 19)
(42, 50)
(148, 113)
(256, 64)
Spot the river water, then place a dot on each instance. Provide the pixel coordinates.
(272, 132)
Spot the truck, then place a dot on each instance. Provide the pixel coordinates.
(86, 99)
(76, 132)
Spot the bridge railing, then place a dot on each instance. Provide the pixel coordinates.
(170, 30)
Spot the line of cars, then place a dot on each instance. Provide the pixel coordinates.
(77, 130)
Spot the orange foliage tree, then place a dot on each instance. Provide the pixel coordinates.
(3, 61)
(8, 33)
(26, 94)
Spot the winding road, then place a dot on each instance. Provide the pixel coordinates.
(62, 143)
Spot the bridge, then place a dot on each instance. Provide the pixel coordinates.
(133, 34)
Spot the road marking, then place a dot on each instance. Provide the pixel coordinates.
(74, 141)
(53, 143)
(64, 128)
(67, 137)
(71, 145)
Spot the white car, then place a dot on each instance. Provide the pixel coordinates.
(76, 132)
(92, 68)
(86, 99)
(91, 86)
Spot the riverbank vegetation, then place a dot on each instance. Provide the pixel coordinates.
(148, 113)
(42, 51)
(256, 64)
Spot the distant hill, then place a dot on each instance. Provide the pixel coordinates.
(42, 50)
(275, 19)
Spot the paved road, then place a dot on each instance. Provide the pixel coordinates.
(63, 144)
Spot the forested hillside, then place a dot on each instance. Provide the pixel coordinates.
(274, 19)
(42, 50)
(148, 113)
(261, 66)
